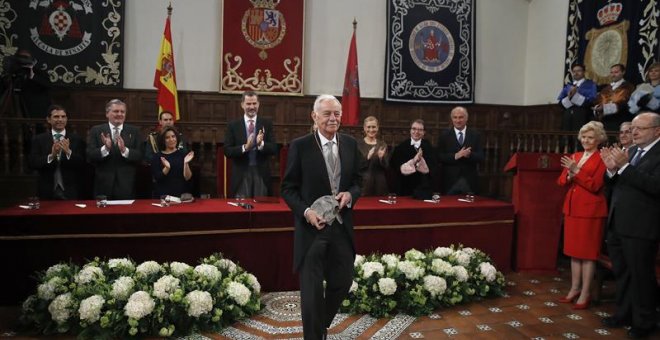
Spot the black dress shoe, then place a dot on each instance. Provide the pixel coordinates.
(640, 333)
(613, 322)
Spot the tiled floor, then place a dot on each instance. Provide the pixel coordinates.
(529, 311)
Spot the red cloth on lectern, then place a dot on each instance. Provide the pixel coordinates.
(537, 202)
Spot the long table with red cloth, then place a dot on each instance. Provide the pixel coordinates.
(260, 239)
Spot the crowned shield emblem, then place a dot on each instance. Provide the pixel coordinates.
(263, 26)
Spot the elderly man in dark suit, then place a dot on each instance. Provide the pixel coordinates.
(322, 164)
(115, 150)
(59, 157)
(634, 224)
(250, 143)
(460, 153)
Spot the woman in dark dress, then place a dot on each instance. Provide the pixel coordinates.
(170, 167)
(374, 153)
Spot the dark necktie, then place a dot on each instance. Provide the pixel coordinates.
(58, 181)
(250, 127)
(638, 156)
(460, 138)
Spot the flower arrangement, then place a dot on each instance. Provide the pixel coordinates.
(119, 298)
(420, 282)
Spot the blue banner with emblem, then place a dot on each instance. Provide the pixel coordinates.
(430, 51)
(604, 33)
(72, 43)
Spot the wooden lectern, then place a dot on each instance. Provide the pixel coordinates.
(537, 202)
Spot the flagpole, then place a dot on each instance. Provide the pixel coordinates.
(169, 9)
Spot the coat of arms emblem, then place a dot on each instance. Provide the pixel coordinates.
(263, 26)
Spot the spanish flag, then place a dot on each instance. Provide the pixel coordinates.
(165, 78)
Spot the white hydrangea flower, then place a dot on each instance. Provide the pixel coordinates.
(229, 265)
(488, 271)
(368, 268)
(469, 251)
(179, 268)
(208, 272)
(88, 274)
(60, 308)
(461, 273)
(441, 267)
(165, 286)
(238, 292)
(252, 280)
(46, 290)
(443, 252)
(354, 287)
(359, 259)
(462, 258)
(121, 263)
(147, 268)
(435, 285)
(199, 302)
(387, 286)
(139, 305)
(56, 269)
(414, 255)
(90, 308)
(122, 288)
(411, 270)
(391, 260)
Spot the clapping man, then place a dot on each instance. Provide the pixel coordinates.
(115, 150)
(633, 224)
(250, 144)
(58, 155)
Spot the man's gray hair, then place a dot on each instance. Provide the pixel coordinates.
(322, 98)
(113, 102)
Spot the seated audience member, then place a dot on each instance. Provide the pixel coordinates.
(165, 118)
(625, 136)
(374, 153)
(576, 99)
(585, 211)
(460, 152)
(647, 95)
(59, 157)
(414, 163)
(115, 149)
(611, 105)
(170, 167)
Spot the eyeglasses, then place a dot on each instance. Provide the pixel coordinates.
(625, 132)
(416, 129)
(642, 128)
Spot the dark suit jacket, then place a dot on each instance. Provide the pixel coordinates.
(453, 169)
(235, 138)
(416, 184)
(114, 175)
(306, 179)
(634, 209)
(72, 168)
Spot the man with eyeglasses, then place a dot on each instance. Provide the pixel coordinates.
(414, 162)
(460, 153)
(633, 223)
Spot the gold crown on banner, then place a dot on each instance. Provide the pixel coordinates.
(265, 3)
(609, 13)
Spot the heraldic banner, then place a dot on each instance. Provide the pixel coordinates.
(75, 42)
(262, 46)
(604, 33)
(430, 51)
